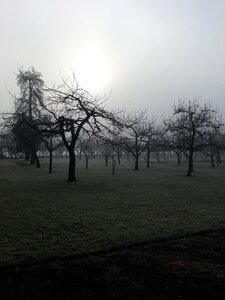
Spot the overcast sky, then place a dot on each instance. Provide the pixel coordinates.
(146, 53)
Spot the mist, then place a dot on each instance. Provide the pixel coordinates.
(142, 53)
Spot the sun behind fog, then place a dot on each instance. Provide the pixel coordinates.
(93, 70)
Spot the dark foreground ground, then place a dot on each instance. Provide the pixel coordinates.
(186, 268)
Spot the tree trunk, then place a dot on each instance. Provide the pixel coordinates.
(164, 156)
(178, 158)
(106, 160)
(157, 156)
(50, 162)
(136, 163)
(86, 159)
(113, 166)
(148, 159)
(190, 165)
(118, 158)
(36, 159)
(72, 164)
(128, 156)
(212, 161)
(218, 158)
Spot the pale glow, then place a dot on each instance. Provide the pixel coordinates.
(92, 69)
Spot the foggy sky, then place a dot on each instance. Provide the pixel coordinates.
(147, 54)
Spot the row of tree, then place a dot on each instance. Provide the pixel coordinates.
(68, 116)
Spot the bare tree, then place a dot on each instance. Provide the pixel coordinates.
(52, 142)
(132, 137)
(216, 144)
(74, 111)
(85, 148)
(109, 144)
(190, 123)
(172, 140)
(152, 139)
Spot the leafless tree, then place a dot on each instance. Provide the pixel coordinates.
(216, 144)
(85, 144)
(172, 141)
(190, 123)
(73, 112)
(133, 133)
(152, 139)
(52, 142)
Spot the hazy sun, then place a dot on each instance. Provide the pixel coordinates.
(93, 70)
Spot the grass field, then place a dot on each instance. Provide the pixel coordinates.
(42, 215)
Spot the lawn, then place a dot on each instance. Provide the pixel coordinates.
(42, 215)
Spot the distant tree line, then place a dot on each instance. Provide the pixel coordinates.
(67, 121)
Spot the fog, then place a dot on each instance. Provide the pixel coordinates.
(145, 54)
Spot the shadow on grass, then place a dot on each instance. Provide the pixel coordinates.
(189, 267)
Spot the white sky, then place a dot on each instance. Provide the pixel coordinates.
(149, 53)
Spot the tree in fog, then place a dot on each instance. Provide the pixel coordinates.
(27, 112)
(216, 144)
(191, 122)
(31, 84)
(132, 136)
(85, 145)
(172, 140)
(153, 135)
(74, 111)
(27, 137)
(2, 145)
(52, 142)
(211, 149)
(7, 146)
(109, 142)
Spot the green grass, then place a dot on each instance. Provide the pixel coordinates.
(42, 215)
